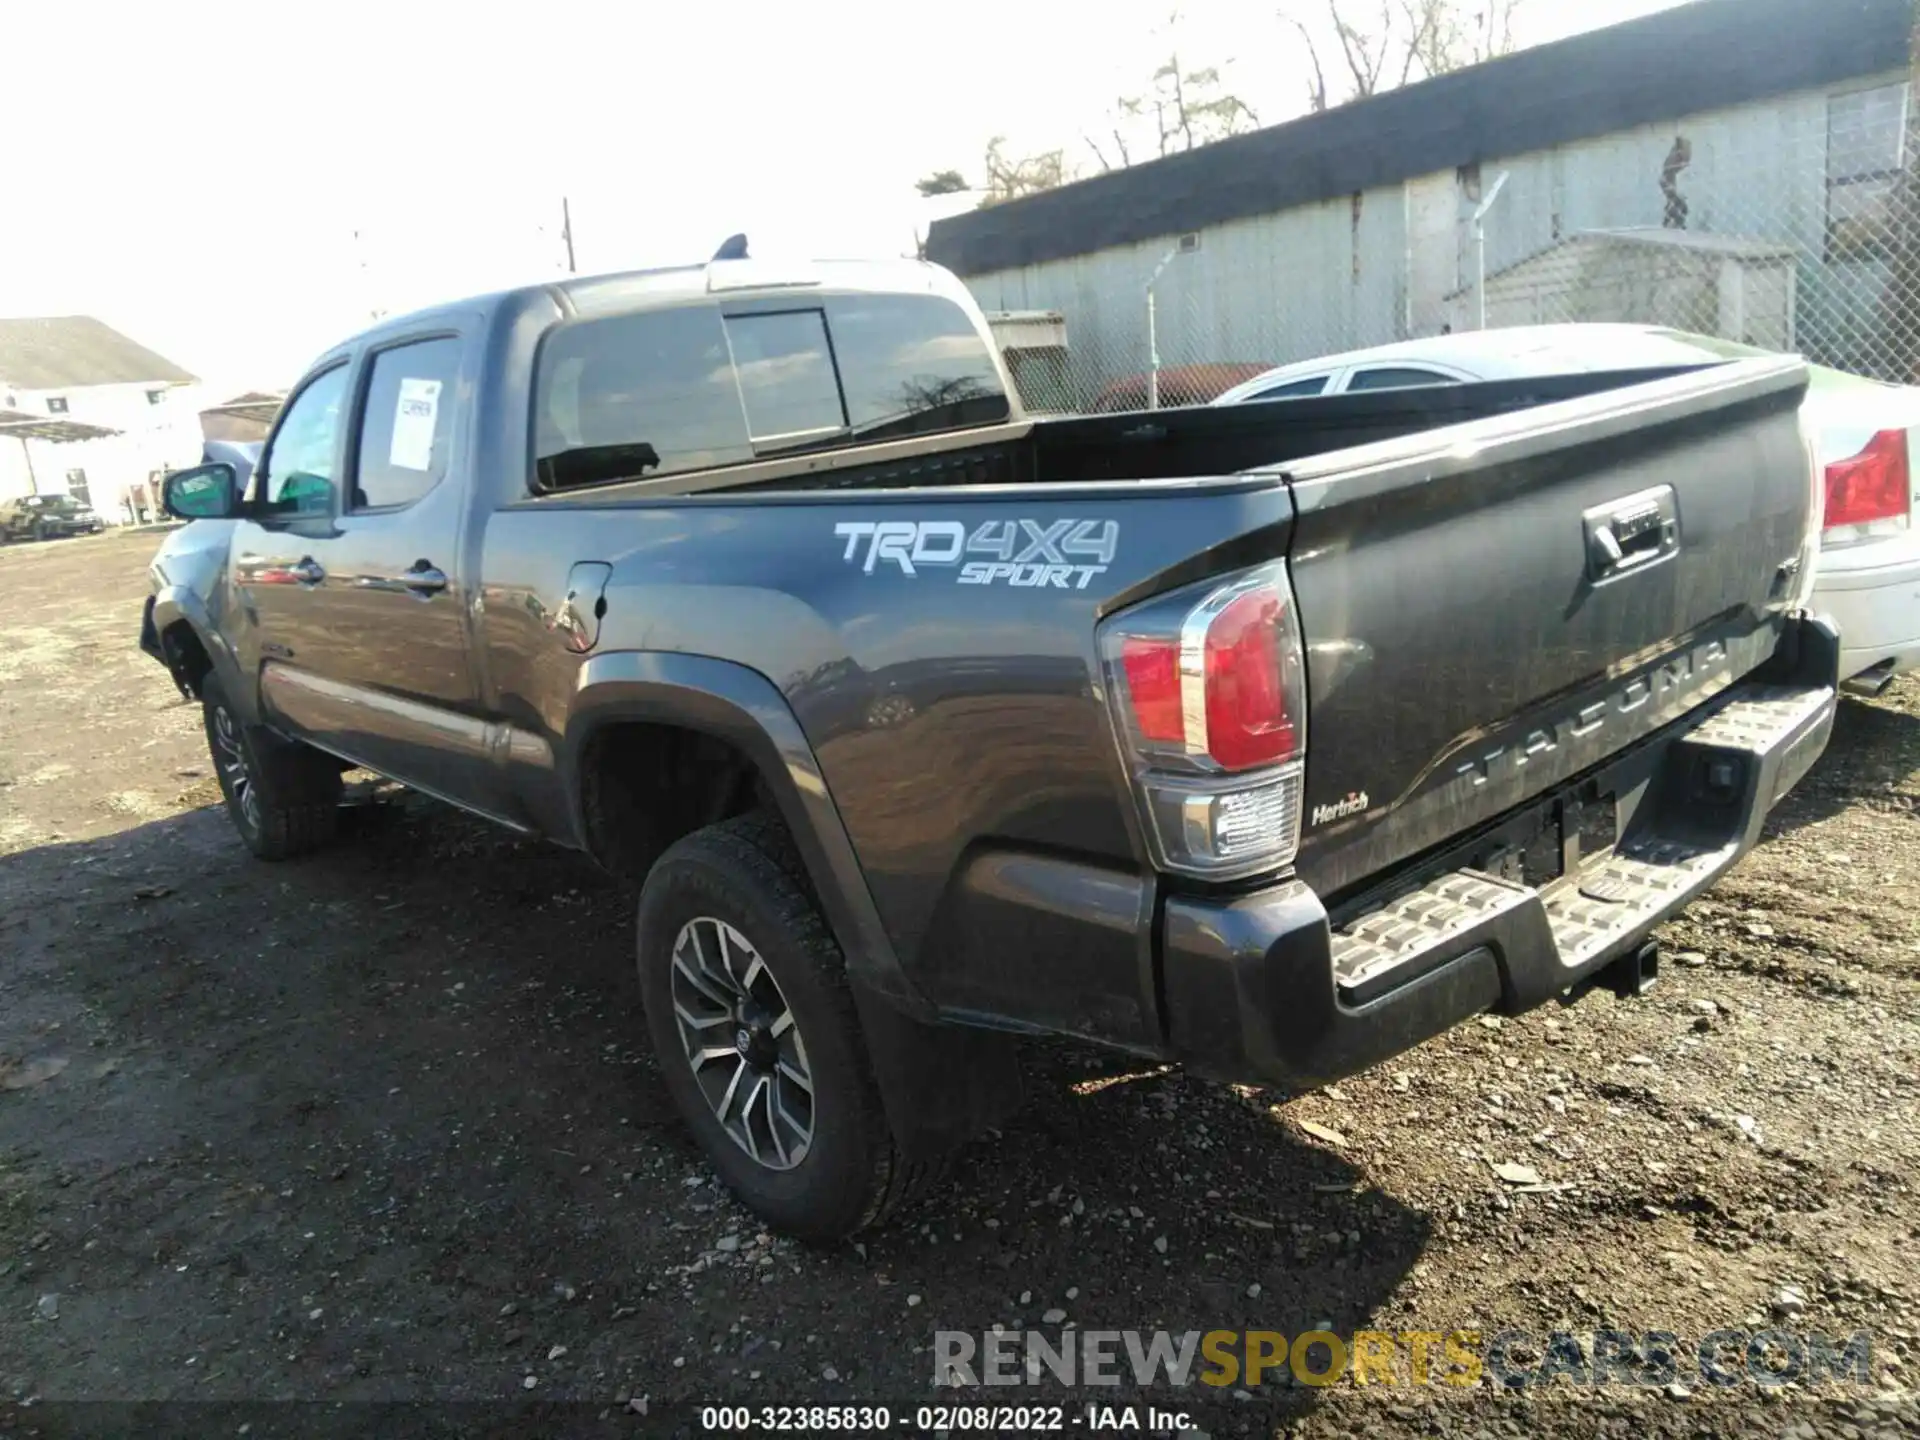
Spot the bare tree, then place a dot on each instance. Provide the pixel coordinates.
(1194, 107)
(1125, 111)
(1181, 109)
(1009, 177)
(1385, 43)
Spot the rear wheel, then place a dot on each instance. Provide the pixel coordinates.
(758, 1042)
(282, 797)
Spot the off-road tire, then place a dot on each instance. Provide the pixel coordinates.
(744, 872)
(295, 790)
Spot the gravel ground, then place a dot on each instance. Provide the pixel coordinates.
(382, 1127)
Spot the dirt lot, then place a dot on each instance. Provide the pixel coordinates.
(382, 1126)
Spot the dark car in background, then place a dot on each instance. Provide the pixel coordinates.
(47, 517)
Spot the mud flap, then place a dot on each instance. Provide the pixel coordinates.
(942, 1085)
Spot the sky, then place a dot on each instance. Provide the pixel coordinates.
(238, 186)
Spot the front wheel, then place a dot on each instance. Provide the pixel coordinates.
(282, 797)
(747, 1004)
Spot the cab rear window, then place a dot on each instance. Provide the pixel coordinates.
(661, 392)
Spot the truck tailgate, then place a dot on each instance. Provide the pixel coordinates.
(1492, 608)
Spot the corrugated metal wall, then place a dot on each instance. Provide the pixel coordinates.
(1341, 275)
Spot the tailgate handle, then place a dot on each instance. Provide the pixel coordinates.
(1631, 533)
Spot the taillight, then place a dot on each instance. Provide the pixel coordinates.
(1867, 493)
(1209, 694)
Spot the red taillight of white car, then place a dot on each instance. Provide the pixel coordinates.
(1867, 493)
(1208, 688)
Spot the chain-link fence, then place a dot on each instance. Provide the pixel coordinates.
(1789, 225)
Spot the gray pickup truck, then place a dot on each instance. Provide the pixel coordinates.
(1270, 741)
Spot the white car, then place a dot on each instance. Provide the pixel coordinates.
(1868, 577)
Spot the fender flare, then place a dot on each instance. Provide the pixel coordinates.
(940, 1083)
(742, 707)
(173, 604)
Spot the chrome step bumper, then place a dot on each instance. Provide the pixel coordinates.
(1771, 733)
(1266, 987)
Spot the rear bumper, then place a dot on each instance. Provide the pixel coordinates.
(1265, 988)
(1873, 594)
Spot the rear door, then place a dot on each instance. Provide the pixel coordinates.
(1491, 608)
(367, 647)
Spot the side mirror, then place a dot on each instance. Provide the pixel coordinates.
(206, 492)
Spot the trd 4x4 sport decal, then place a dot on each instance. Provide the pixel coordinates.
(1062, 554)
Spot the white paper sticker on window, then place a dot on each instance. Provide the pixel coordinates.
(413, 421)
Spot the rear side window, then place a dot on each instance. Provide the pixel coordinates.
(1293, 389)
(1395, 377)
(407, 426)
(912, 364)
(634, 396)
(658, 392)
(786, 374)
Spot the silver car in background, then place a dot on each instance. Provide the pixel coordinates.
(1868, 574)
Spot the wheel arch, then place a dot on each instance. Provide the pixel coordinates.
(180, 612)
(740, 708)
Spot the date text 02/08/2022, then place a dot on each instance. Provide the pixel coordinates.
(943, 1419)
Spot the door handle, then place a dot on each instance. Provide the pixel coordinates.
(263, 570)
(423, 579)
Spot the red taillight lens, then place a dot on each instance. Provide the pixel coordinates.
(1152, 667)
(1208, 686)
(1870, 486)
(1247, 719)
(1215, 683)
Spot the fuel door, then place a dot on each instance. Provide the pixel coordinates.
(577, 620)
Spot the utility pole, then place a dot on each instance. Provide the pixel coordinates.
(1153, 332)
(1480, 251)
(566, 232)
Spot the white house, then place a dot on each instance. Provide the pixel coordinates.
(73, 368)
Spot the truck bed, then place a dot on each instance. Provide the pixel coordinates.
(1182, 443)
(1458, 638)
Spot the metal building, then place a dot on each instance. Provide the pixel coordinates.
(1745, 150)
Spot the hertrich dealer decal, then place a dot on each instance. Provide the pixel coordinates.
(1057, 554)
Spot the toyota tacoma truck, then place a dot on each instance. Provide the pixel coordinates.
(1269, 741)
